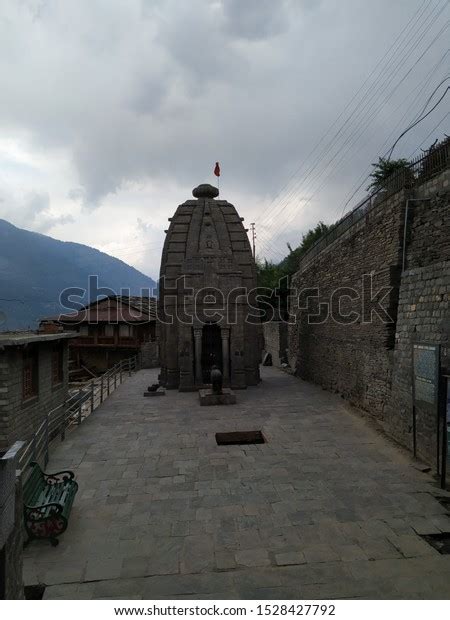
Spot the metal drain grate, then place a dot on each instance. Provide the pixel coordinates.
(440, 542)
(239, 438)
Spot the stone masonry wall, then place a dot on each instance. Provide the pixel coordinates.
(423, 312)
(4, 403)
(150, 355)
(367, 360)
(350, 351)
(14, 551)
(19, 419)
(275, 341)
(11, 526)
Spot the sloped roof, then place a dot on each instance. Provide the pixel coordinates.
(114, 309)
(17, 338)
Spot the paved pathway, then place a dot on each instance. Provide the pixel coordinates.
(327, 508)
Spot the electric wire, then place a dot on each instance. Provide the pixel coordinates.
(387, 82)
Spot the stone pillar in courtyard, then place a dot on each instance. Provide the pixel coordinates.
(207, 273)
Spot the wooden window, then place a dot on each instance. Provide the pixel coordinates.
(126, 331)
(30, 372)
(106, 330)
(57, 364)
(84, 330)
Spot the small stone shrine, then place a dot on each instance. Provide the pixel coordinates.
(207, 281)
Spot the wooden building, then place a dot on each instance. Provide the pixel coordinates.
(111, 329)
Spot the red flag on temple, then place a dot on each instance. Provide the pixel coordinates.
(217, 169)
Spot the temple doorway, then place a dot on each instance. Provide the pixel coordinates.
(211, 350)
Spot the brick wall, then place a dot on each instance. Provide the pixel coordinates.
(368, 360)
(19, 419)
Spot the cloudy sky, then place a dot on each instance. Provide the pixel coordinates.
(111, 111)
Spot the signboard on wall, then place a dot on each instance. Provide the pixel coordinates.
(426, 373)
(425, 383)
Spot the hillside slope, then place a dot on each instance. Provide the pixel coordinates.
(35, 269)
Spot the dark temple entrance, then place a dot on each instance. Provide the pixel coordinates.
(211, 350)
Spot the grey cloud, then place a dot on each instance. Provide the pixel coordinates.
(77, 194)
(158, 91)
(35, 203)
(256, 19)
(32, 211)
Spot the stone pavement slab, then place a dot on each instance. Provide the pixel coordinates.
(326, 508)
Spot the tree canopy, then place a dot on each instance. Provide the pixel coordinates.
(384, 169)
(277, 276)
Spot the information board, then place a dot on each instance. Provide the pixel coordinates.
(426, 373)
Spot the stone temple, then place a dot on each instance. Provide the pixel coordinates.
(206, 318)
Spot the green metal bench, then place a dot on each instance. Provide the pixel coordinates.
(48, 500)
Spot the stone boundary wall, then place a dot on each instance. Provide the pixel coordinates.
(369, 361)
(11, 527)
(276, 341)
(423, 311)
(352, 358)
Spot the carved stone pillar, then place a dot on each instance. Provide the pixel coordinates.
(198, 356)
(225, 333)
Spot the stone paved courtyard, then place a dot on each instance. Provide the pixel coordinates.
(327, 508)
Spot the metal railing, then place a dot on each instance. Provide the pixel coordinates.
(418, 171)
(73, 411)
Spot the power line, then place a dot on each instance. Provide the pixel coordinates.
(430, 134)
(386, 82)
(355, 131)
(402, 45)
(418, 121)
(416, 16)
(366, 174)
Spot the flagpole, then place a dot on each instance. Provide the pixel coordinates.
(217, 174)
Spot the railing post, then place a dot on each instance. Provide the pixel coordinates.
(92, 395)
(115, 379)
(108, 389)
(33, 447)
(129, 366)
(79, 413)
(46, 439)
(63, 423)
(101, 389)
(121, 377)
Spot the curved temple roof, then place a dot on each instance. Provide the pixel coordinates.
(207, 228)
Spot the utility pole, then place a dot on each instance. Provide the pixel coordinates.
(252, 228)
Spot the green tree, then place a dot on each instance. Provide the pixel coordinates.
(289, 265)
(268, 274)
(277, 276)
(383, 170)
